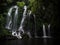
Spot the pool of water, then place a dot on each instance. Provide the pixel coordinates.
(40, 41)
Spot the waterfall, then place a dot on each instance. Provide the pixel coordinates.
(12, 23)
(49, 32)
(44, 32)
(28, 33)
(9, 19)
(22, 21)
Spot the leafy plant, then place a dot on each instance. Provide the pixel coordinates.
(20, 4)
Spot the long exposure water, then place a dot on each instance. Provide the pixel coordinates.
(49, 32)
(12, 22)
(41, 41)
(22, 21)
(29, 22)
(45, 33)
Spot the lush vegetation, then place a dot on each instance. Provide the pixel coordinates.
(45, 11)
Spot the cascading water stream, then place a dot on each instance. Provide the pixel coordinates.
(23, 18)
(12, 23)
(35, 26)
(44, 31)
(22, 22)
(49, 32)
(28, 33)
(9, 19)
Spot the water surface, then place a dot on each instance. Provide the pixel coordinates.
(39, 41)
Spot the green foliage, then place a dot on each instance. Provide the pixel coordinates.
(32, 6)
(9, 1)
(31, 1)
(20, 4)
(3, 31)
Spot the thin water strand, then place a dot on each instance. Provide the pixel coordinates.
(14, 24)
(9, 19)
(49, 32)
(44, 32)
(28, 33)
(23, 19)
